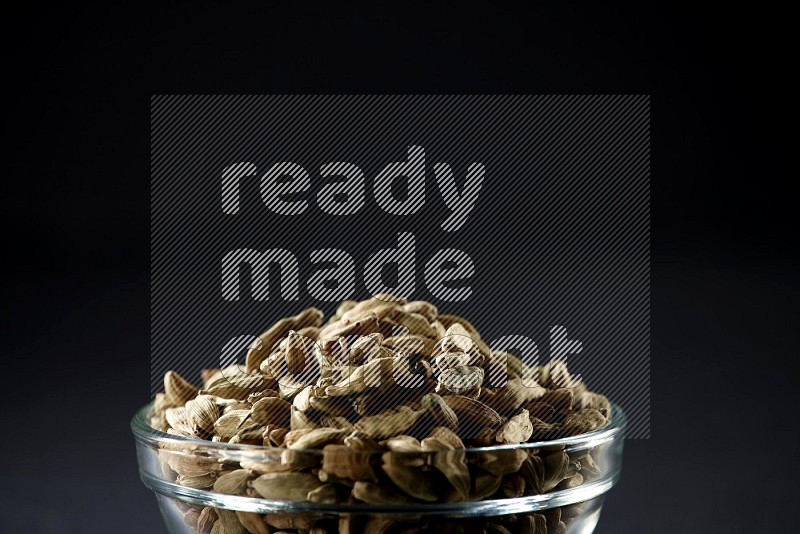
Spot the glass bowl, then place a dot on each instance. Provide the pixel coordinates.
(546, 487)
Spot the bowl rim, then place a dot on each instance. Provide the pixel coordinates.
(149, 435)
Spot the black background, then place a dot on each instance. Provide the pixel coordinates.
(76, 205)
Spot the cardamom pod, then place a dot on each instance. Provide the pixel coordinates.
(440, 411)
(583, 421)
(373, 493)
(271, 410)
(230, 522)
(233, 483)
(518, 429)
(252, 523)
(177, 390)
(451, 463)
(411, 479)
(389, 423)
(287, 486)
(473, 415)
(202, 412)
(263, 346)
(317, 437)
(342, 461)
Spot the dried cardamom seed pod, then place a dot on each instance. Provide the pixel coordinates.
(463, 380)
(252, 434)
(276, 466)
(191, 465)
(197, 482)
(439, 330)
(371, 374)
(295, 353)
(440, 411)
(473, 415)
(263, 347)
(276, 436)
(190, 517)
(344, 462)
(555, 375)
(205, 521)
(230, 522)
(555, 469)
(178, 419)
(448, 320)
(233, 483)
(450, 360)
(363, 347)
(288, 486)
(518, 429)
(451, 463)
(293, 435)
(389, 423)
(237, 386)
(373, 493)
(317, 437)
(202, 413)
(177, 390)
(532, 470)
(410, 478)
(457, 339)
(289, 387)
(252, 523)
(229, 424)
(271, 411)
(583, 421)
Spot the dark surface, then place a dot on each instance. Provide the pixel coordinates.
(75, 315)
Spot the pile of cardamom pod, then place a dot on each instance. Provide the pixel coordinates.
(383, 404)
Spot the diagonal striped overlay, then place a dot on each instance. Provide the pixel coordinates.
(559, 233)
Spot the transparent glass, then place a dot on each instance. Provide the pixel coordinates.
(547, 487)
